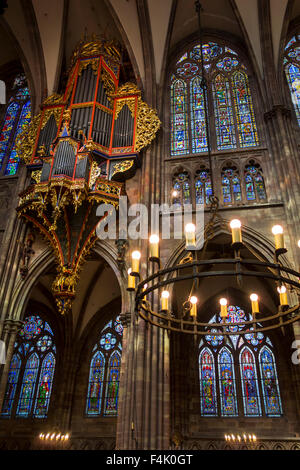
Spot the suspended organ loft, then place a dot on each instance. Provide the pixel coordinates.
(80, 149)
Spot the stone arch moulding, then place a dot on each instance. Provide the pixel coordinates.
(43, 262)
(260, 244)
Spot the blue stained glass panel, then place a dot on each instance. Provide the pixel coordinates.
(8, 126)
(293, 77)
(112, 385)
(223, 114)
(28, 386)
(94, 395)
(269, 383)
(13, 162)
(198, 123)
(244, 110)
(179, 127)
(108, 341)
(44, 386)
(227, 383)
(250, 389)
(13, 375)
(208, 394)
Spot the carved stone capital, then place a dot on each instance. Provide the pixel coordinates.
(125, 319)
(11, 325)
(276, 109)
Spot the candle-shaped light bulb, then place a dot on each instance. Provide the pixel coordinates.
(236, 232)
(254, 303)
(165, 300)
(193, 311)
(136, 256)
(52, 436)
(154, 250)
(223, 303)
(298, 243)
(277, 231)
(283, 296)
(131, 281)
(174, 193)
(190, 237)
(67, 436)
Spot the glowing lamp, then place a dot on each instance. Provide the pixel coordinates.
(283, 296)
(277, 231)
(131, 281)
(223, 303)
(254, 303)
(236, 232)
(165, 300)
(193, 311)
(299, 243)
(190, 237)
(135, 263)
(154, 240)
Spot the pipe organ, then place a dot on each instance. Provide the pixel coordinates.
(80, 149)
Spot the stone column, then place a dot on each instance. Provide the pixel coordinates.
(144, 415)
(10, 330)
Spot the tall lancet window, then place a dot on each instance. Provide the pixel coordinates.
(31, 371)
(179, 126)
(104, 373)
(181, 189)
(231, 185)
(254, 183)
(232, 121)
(291, 63)
(237, 375)
(18, 114)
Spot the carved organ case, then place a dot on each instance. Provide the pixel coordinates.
(80, 149)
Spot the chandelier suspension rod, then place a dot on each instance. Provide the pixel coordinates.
(203, 85)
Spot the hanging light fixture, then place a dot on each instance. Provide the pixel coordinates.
(193, 268)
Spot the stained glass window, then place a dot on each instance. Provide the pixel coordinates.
(13, 161)
(45, 385)
(181, 189)
(104, 375)
(198, 125)
(231, 187)
(292, 71)
(8, 126)
(208, 398)
(31, 372)
(244, 110)
(203, 188)
(223, 113)
(250, 391)
(17, 115)
(179, 129)
(228, 98)
(269, 382)
(254, 183)
(227, 383)
(93, 406)
(12, 382)
(245, 368)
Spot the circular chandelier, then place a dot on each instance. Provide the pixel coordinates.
(193, 269)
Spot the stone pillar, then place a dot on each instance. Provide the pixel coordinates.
(296, 367)
(144, 415)
(10, 330)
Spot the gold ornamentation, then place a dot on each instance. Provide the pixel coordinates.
(25, 142)
(36, 175)
(108, 83)
(94, 63)
(95, 173)
(127, 89)
(123, 166)
(95, 46)
(56, 112)
(55, 98)
(147, 125)
(130, 102)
